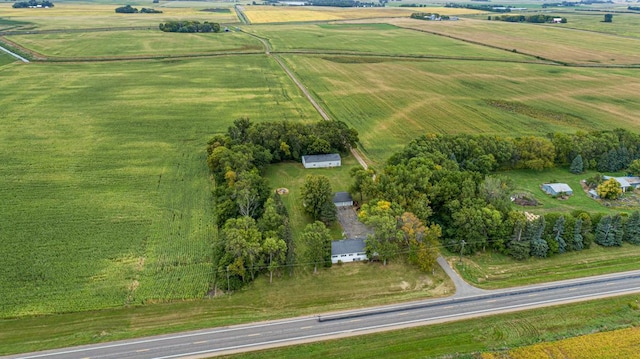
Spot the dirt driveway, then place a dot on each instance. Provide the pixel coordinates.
(351, 226)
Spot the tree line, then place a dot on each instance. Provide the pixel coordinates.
(452, 181)
(128, 9)
(189, 26)
(32, 3)
(536, 19)
(252, 220)
(482, 7)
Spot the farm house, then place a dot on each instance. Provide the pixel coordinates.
(342, 199)
(626, 182)
(555, 189)
(322, 161)
(348, 250)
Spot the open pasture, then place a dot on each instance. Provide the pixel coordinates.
(622, 25)
(279, 14)
(132, 43)
(390, 102)
(374, 39)
(104, 187)
(6, 58)
(558, 42)
(68, 16)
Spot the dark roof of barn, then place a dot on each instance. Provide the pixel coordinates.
(321, 158)
(342, 197)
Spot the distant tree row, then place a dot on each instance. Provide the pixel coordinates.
(127, 9)
(347, 3)
(482, 7)
(536, 19)
(189, 26)
(634, 8)
(32, 3)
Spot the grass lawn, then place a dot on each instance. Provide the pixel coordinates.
(104, 188)
(6, 58)
(468, 338)
(134, 43)
(392, 101)
(303, 294)
(292, 175)
(492, 270)
(374, 39)
(559, 43)
(529, 181)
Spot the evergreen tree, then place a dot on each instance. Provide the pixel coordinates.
(558, 231)
(577, 244)
(632, 229)
(577, 165)
(539, 247)
(609, 231)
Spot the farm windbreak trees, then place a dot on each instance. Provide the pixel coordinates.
(451, 180)
(256, 235)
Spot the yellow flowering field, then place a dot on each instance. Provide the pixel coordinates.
(622, 343)
(270, 14)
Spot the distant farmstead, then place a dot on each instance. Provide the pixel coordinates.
(626, 183)
(322, 161)
(555, 189)
(348, 250)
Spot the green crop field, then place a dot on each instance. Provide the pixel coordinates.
(6, 58)
(104, 189)
(134, 43)
(376, 39)
(391, 101)
(557, 43)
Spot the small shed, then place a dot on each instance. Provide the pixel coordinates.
(348, 250)
(342, 199)
(322, 161)
(555, 189)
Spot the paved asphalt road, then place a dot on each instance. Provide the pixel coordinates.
(206, 343)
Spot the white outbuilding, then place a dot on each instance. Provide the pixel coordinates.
(342, 199)
(322, 161)
(555, 189)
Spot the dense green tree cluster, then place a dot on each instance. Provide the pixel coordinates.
(536, 19)
(255, 235)
(605, 151)
(317, 199)
(32, 3)
(238, 158)
(189, 26)
(450, 180)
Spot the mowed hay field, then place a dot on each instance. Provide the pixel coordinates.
(374, 39)
(556, 43)
(134, 43)
(85, 16)
(390, 102)
(104, 190)
(271, 14)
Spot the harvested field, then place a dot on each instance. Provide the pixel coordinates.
(554, 43)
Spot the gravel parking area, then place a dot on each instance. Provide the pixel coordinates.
(351, 226)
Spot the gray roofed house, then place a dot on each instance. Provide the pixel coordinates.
(626, 182)
(555, 189)
(322, 161)
(342, 199)
(348, 250)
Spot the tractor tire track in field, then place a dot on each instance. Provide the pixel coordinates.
(267, 50)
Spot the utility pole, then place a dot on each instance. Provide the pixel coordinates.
(462, 249)
(228, 284)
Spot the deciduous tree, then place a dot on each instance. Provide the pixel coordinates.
(317, 238)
